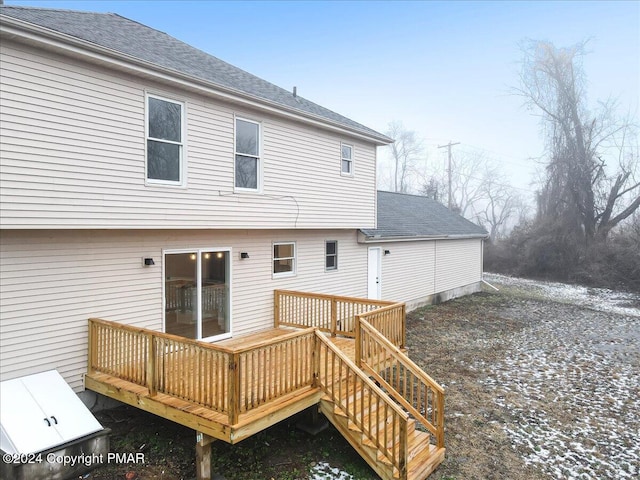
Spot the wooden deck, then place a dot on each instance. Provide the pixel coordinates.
(359, 377)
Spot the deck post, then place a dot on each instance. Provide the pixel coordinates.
(151, 365)
(403, 451)
(234, 388)
(276, 308)
(315, 360)
(203, 456)
(92, 348)
(404, 326)
(440, 435)
(358, 352)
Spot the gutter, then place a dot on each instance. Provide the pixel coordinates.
(362, 238)
(70, 44)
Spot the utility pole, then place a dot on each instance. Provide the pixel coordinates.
(449, 145)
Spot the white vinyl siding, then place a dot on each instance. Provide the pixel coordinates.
(459, 262)
(408, 271)
(53, 281)
(414, 271)
(73, 156)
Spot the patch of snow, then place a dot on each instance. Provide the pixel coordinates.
(601, 299)
(324, 471)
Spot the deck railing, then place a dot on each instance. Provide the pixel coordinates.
(380, 420)
(193, 371)
(416, 391)
(274, 369)
(228, 381)
(337, 315)
(389, 321)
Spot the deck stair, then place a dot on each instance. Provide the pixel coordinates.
(373, 422)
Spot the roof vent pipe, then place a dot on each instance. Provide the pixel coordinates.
(295, 92)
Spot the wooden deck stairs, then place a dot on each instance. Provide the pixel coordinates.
(371, 418)
(345, 358)
(422, 456)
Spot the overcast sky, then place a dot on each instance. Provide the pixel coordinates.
(445, 69)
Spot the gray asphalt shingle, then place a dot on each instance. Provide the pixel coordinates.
(402, 215)
(139, 41)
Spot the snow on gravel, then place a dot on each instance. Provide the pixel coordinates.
(571, 382)
(601, 299)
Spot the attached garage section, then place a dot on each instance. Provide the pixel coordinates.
(429, 254)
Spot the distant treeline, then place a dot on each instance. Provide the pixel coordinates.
(546, 251)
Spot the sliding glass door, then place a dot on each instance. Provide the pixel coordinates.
(197, 293)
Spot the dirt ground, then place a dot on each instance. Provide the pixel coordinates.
(537, 386)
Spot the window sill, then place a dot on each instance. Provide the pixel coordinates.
(249, 191)
(276, 276)
(164, 183)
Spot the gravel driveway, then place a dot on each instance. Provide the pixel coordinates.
(542, 380)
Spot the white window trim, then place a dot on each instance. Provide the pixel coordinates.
(293, 271)
(258, 157)
(183, 150)
(326, 269)
(198, 252)
(342, 172)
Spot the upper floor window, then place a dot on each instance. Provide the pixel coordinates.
(347, 159)
(165, 137)
(247, 154)
(331, 255)
(284, 258)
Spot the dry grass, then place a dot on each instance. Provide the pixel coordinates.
(447, 341)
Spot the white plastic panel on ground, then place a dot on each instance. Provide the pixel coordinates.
(41, 411)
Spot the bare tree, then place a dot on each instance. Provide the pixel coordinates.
(405, 152)
(470, 173)
(503, 203)
(585, 187)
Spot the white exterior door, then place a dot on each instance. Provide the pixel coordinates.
(375, 273)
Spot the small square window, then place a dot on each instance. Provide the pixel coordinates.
(331, 255)
(284, 258)
(347, 159)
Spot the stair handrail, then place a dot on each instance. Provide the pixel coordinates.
(436, 424)
(399, 461)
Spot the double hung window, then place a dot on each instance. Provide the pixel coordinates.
(165, 141)
(284, 259)
(331, 255)
(247, 155)
(347, 159)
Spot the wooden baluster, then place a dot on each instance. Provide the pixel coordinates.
(151, 365)
(334, 316)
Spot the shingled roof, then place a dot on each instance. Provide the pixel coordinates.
(136, 40)
(401, 215)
